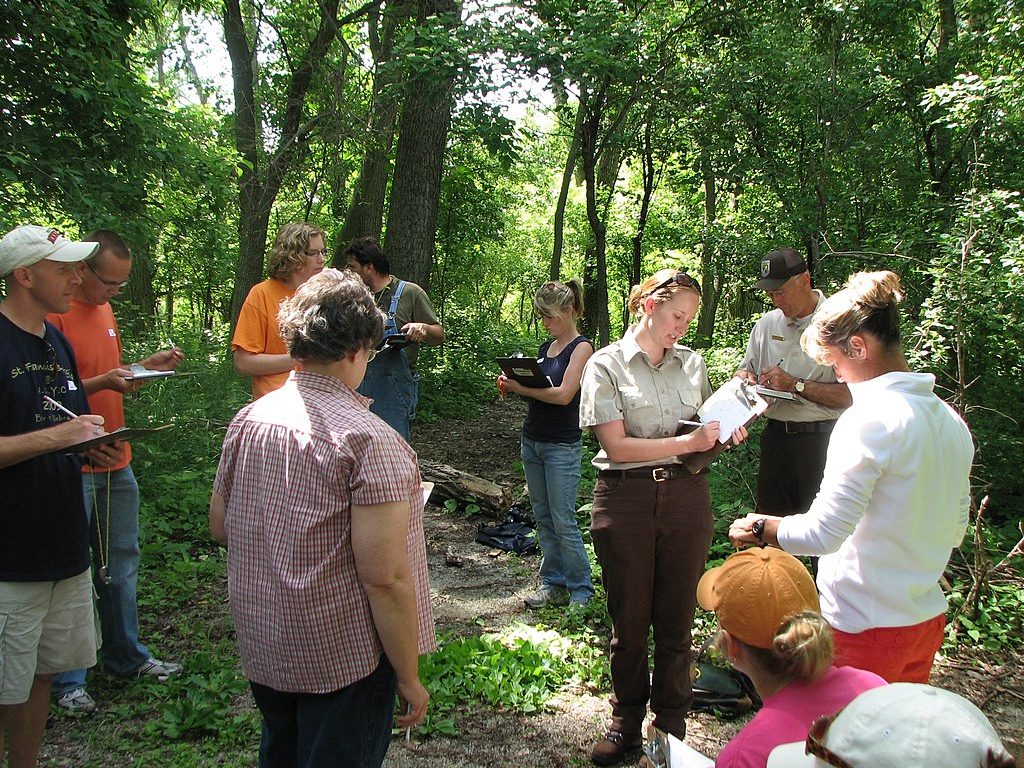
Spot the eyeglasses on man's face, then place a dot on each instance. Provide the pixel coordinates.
(109, 283)
(679, 278)
(782, 289)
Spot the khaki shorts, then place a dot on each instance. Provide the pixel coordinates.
(45, 627)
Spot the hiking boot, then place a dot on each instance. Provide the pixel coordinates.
(161, 670)
(546, 594)
(76, 702)
(614, 747)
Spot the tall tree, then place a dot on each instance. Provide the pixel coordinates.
(262, 171)
(422, 138)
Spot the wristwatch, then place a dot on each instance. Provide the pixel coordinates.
(758, 530)
(799, 386)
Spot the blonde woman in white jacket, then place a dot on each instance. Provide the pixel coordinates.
(895, 495)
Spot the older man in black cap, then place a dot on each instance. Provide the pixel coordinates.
(796, 436)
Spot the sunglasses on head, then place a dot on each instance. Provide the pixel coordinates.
(816, 746)
(679, 278)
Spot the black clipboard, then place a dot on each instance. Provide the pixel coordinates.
(394, 341)
(525, 370)
(124, 433)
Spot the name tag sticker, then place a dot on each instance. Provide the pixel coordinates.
(778, 338)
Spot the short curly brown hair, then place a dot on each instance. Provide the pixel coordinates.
(330, 316)
(288, 253)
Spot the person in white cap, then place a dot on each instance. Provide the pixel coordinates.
(45, 589)
(896, 726)
(767, 609)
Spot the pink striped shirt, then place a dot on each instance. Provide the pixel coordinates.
(293, 464)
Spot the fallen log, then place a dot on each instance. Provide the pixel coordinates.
(464, 488)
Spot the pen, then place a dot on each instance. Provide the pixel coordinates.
(60, 407)
(779, 364)
(691, 423)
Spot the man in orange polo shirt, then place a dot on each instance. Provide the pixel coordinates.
(109, 486)
(297, 254)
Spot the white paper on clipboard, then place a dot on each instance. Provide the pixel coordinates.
(681, 755)
(428, 488)
(734, 405)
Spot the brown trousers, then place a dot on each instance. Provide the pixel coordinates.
(652, 541)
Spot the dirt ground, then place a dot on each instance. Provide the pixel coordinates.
(489, 591)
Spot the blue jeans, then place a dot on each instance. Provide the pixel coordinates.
(121, 652)
(553, 477)
(350, 728)
(390, 383)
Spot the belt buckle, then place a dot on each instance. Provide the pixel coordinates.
(660, 474)
(788, 431)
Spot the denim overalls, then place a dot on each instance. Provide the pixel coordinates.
(388, 379)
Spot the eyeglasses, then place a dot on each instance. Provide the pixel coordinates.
(815, 746)
(108, 283)
(679, 278)
(781, 289)
(320, 254)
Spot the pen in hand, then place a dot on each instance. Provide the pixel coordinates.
(60, 407)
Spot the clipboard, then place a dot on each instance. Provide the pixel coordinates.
(734, 404)
(775, 394)
(394, 341)
(525, 370)
(124, 433)
(141, 373)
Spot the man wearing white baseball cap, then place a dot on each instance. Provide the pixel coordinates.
(45, 589)
(899, 725)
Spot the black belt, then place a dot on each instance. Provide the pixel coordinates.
(794, 427)
(657, 474)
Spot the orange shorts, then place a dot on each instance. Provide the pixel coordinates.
(899, 654)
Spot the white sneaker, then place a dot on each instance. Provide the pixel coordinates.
(77, 701)
(161, 670)
(546, 594)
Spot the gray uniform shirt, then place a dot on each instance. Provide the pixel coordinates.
(619, 382)
(776, 337)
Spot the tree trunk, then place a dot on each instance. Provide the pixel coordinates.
(708, 257)
(365, 215)
(597, 304)
(419, 161)
(647, 159)
(260, 177)
(563, 194)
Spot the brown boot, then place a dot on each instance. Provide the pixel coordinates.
(613, 747)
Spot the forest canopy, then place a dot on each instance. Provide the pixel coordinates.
(494, 145)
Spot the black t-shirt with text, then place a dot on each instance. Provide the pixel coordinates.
(44, 533)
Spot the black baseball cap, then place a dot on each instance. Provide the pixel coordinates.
(777, 267)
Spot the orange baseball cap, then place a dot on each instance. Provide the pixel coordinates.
(754, 591)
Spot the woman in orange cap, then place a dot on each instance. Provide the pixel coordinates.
(771, 630)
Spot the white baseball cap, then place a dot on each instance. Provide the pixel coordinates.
(29, 243)
(900, 725)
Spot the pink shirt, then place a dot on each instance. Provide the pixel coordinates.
(787, 715)
(293, 464)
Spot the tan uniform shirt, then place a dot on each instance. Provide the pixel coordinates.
(619, 382)
(776, 337)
